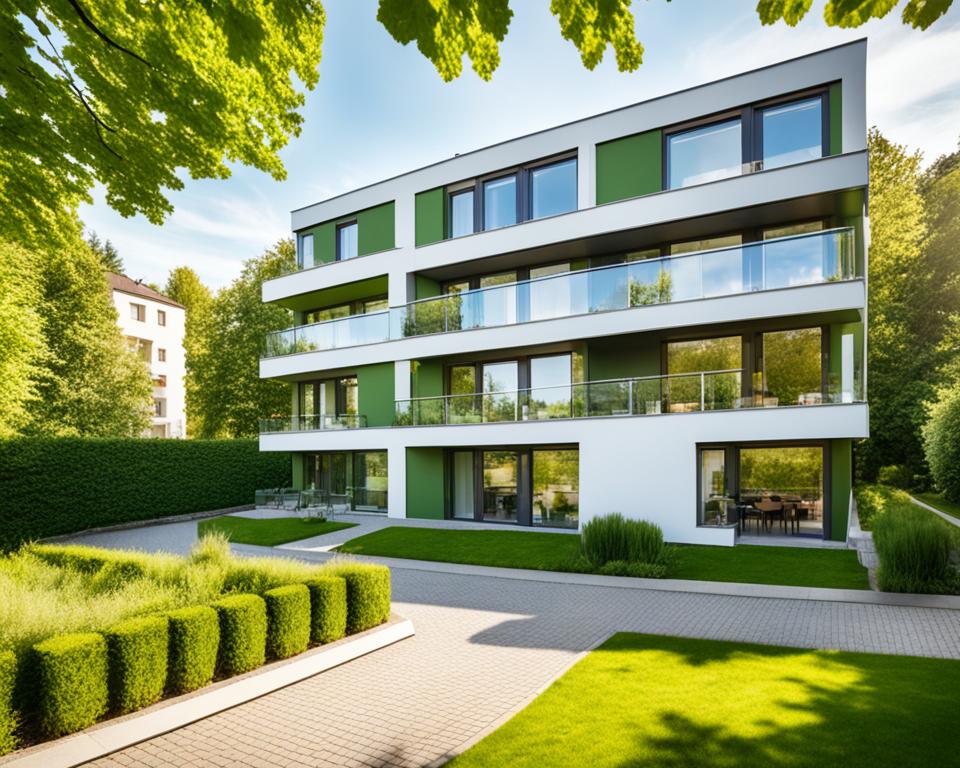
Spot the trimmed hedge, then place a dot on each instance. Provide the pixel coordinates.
(243, 633)
(119, 480)
(137, 653)
(194, 641)
(288, 620)
(8, 715)
(328, 609)
(368, 594)
(72, 680)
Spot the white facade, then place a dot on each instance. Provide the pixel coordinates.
(154, 326)
(643, 466)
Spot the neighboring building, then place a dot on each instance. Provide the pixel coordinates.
(658, 310)
(154, 325)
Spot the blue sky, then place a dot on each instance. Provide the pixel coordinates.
(380, 109)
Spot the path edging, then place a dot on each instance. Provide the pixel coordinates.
(167, 716)
(949, 518)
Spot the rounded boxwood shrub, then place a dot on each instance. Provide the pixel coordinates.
(137, 653)
(328, 609)
(941, 445)
(8, 715)
(288, 620)
(72, 680)
(368, 593)
(243, 633)
(194, 641)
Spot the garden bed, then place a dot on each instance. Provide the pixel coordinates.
(89, 633)
(269, 531)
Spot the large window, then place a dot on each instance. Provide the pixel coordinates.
(500, 202)
(347, 241)
(791, 133)
(500, 486)
(357, 478)
(781, 490)
(792, 369)
(370, 480)
(305, 252)
(704, 154)
(329, 397)
(550, 380)
(553, 189)
(461, 213)
(556, 488)
(686, 390)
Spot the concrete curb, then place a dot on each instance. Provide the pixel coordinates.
(949, 518)
(169, 715)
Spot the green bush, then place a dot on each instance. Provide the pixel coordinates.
(613, 537)
(71, 673)
(119, 480)
(913, 546)
(941, 443)
(137, 650)
(194, 641)
(328, 609)
(896, 475)
(635, 569)
(288, 620)
(243, 633)
(8, 715)
(368, 593)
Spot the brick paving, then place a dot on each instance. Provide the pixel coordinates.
(485, 647)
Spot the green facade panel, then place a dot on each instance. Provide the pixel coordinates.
(630, 167)
(375, 392)
(841, 482)
(375, 229)
(426, 287)
(429, 224)
(426, 378)
(836, 119)
(425, 497)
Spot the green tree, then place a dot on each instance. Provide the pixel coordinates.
(106, 252)
(184, 286)
(22, 352)
(919, 14)
(941, 440)
(230, 396)
(92, 383)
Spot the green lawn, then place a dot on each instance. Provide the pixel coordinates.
(937, 500)
(558, 552)
(646, 700)
(268, 532)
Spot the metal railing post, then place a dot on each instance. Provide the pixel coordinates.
(630, 397)
(703, 389)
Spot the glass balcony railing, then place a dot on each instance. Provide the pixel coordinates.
(785, 262)
(312, 423)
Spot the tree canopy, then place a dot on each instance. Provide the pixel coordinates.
(184, 286)
(919, 14)
(105, 250)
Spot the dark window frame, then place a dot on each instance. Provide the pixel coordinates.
(355, 306)
(338, 256)
(339, 393)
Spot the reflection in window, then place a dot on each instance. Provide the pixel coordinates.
(720, 272)
(500, 391)
(347, 241)
(792, 133)
(556, 488)
(792, 367)
(549, 387)
(800, 260)
(500, 202)
(704, 154)
(500, 486)
(550, 298)
(306, 251)
(328, 313)
(554, 189)
(461, 213)
(370, 480)
(689, 358)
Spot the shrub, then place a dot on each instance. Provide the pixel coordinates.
(914, 550)
(72, 680)
(896, 475)
(288, 620)
(194, 641)
(8, 715)
(258, 574)
(941, 444)
(637, 570)
(615, 538)
(243, 633)
(328, 609)
(368, 593)
(137, 651)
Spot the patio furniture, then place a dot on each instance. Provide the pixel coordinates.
(772, 509)
(748, 512)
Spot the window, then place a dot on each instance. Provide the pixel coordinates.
(161, 380)
(685, 390)
(161, 317)
(704, 154)
(159, 407)
(791, 133)
(347, 241)
(161, 355)
(305, 251)
(550, 387)
(500, 202)
(138, 312)
(556, 488)
(799, 260)
(791, 365)
(461, 213)
(553, 189)
(500, 486)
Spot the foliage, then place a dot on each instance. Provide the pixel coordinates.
(112, 481)
(288, 620)
(194, 641)
(919, 14)
(72, 682)
(895, 475)
(9, 717)
(642, 293)
(243, 633)
(328, 609)
(185, 287)
(913, 546)
(615, 538)
(794, 469)
(634, 569)
(137, 654)
(126, 95)
(873, 501)
(22, 351)
(368, 593)
(941, 442)
(106, 252)
(230, 397)
(269, 532)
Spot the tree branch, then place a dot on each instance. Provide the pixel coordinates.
(99, 33)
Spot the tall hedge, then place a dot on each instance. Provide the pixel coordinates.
(8, 715)
(52, 486)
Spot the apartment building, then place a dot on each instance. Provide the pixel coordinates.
(658, 310)
(153, 325)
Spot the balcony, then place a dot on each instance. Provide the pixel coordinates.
(312, 423)
(816, 258)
